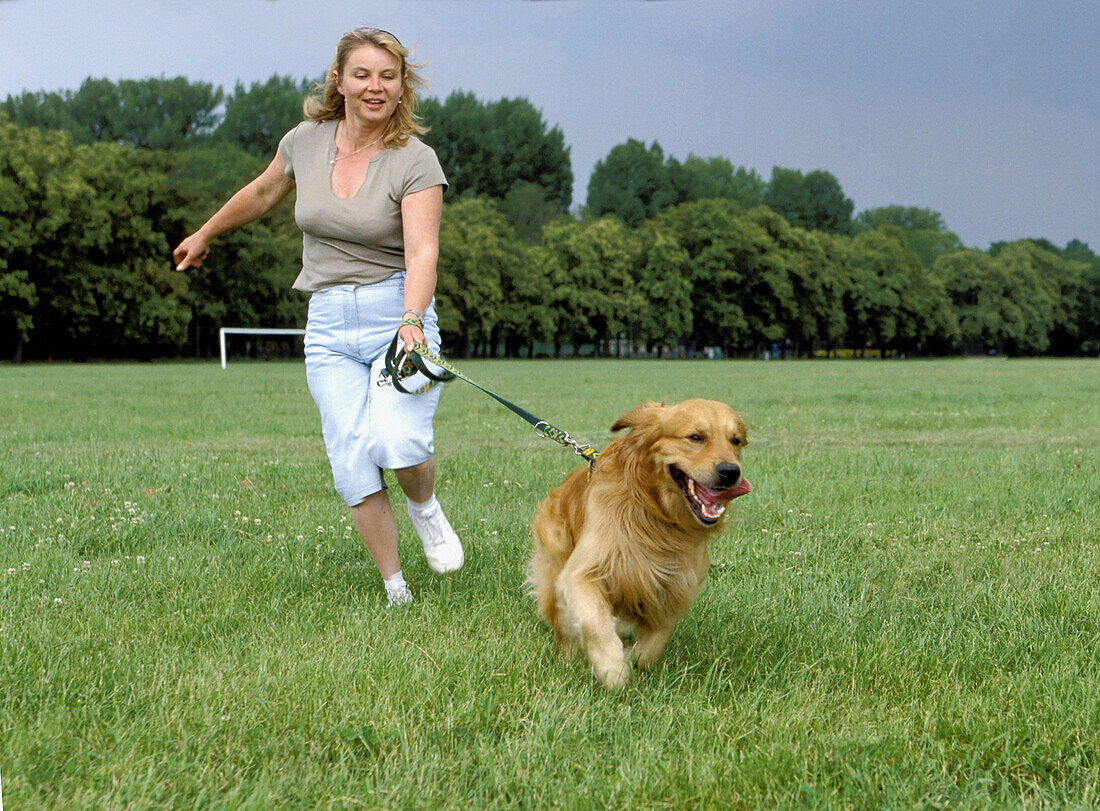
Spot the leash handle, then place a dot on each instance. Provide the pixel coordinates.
(414, 361)
(409, 364)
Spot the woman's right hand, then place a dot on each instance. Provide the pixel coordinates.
(191, 252)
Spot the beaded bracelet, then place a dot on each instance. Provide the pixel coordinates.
(419, 316)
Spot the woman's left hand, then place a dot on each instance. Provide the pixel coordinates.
(411, 335)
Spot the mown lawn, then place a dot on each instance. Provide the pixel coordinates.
(904, 613)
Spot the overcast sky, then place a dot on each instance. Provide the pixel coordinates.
(987, 111)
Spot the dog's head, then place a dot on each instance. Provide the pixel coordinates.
(690, 454)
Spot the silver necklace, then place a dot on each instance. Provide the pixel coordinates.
(340, 157)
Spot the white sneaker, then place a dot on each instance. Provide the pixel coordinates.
(399, 595)
(441, 545)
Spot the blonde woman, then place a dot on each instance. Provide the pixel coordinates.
(369, 200)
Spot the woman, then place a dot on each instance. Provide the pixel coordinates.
(369, 201)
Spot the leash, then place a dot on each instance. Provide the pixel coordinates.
(409, 363)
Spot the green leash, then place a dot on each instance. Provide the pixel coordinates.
(412, 362)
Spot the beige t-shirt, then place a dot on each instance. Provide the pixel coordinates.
(359, 240)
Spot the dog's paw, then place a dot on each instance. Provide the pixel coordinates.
(644, 660)
(612, 676)
(650, 645)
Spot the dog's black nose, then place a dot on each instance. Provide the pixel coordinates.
(728, 474)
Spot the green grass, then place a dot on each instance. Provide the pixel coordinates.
(904, 614)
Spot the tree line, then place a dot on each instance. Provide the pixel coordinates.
(97, 185)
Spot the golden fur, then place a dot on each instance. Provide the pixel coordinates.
(626, 549)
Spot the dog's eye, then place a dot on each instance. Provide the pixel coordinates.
(735, 440)
(696, 437)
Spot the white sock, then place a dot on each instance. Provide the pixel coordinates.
(421, 508)
(395, 582)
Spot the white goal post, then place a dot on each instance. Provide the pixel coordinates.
(252, 331)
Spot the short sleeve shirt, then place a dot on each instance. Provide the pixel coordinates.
(358, 240)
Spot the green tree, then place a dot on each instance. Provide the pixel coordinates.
(811, 299)
(150, 113)
(256, 117)
(664, 282)
(893, 304)
(740, 290)
(835, 280)
(210, 174)
(926, 235)
(714, 178)
(154, 113)
(527, 315)
(980, 292)
(246, 282)
(1076, 326)
(488, 148)
(1048, 291)
(44, 110)
(528, 210)
(1089, 329)
(160, 113)
(632, 183)
(18, 298)
(19, 171)
(635, 182)
(478, 252)
(594, 289)
(85, 228)
(815, 200)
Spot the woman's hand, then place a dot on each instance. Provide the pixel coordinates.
(410, 335)
(191, 252)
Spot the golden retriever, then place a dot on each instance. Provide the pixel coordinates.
(624, 549)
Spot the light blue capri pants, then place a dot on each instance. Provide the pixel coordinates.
(367, 428)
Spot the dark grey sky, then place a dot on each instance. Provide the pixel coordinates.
(986, 111)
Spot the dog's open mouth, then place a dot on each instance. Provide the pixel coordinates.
(707, 504)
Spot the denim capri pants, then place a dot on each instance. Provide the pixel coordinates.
(367, 428)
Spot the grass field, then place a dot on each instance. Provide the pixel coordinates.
(905, 613)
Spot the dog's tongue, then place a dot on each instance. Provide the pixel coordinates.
(743, 488)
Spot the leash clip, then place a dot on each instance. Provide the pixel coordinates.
(548, 431)
(404, 366)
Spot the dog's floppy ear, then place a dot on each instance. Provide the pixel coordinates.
(642, 414)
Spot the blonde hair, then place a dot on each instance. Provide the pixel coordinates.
(326, 102)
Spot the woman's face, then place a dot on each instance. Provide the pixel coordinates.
(371, 84)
